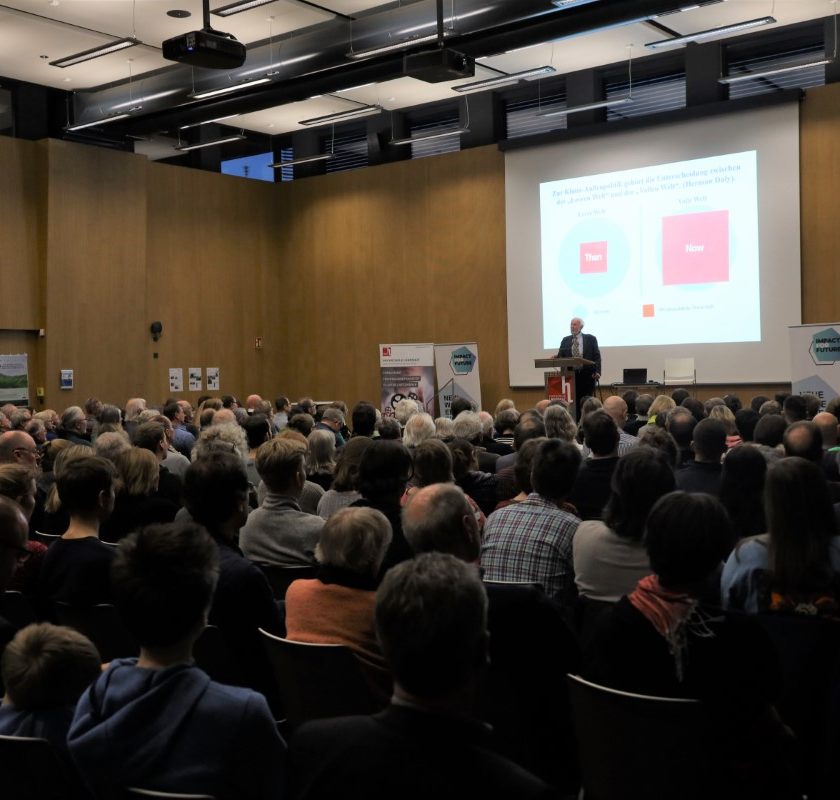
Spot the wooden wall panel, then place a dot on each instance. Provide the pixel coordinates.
(22, 216)
(210, 238)
(95, 273)
(819, 182)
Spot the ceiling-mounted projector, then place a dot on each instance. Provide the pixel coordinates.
(205, 48)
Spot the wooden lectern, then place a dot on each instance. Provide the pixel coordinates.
(560, 382)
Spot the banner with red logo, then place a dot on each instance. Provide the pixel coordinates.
(407, 370)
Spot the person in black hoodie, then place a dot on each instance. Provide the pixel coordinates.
(157, 721)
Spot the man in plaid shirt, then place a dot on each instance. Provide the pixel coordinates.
(532, 540)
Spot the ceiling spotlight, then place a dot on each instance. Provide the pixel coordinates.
(96, 52)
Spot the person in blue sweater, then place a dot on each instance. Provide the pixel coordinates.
(157, 721)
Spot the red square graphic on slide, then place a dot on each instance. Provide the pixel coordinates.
(648, 310)
(593, 257)
(695, 248)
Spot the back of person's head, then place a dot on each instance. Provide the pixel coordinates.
(460, 404)
(279, 461)
(162, 580)
(17, 483)
(629, 397)
(139, 472)
(794, 408)
(733, 402)
(363, 419)
(227, 437)
(419, 428)
(432, 463)
(438, 518)
(282, 403)
(660, 405)
(600, 433)
(656, 438)
(347, 467)
(709, 441)
(742, 489)
(800, 520)
(680, 425)
(803, 439)
(303, 423)
(589, 405)
(640, 478)
(467, 425)
(149, 436)
(431, 618)
(84, 483)
(757, 402)
(687, 536)
(643, 404)
(679, 394)
(724, 415)
(320, 451)
(389, 429)
(355, 539)
(745, 421)
(529, 427)
(770, 430)
(770, 407)
(110, 445)
(524, 464)
(171, 410)
(559, 424)
(257, 429)
(555, 469)
(385, 469)
(697, 409)
(506, 420)
(334, 415)
(812, 405)
(215, 488)
(47, 667)
(404, 409)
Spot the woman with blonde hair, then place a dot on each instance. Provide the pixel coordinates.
(661, 404)
(725, 415)
(55, 519)
(137, 503)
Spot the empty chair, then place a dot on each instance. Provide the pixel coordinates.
(33, 769)
(318, 680)
(634, 746)
(102, 625)
(280, 578)
(679, 370)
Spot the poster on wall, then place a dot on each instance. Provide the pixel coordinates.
(212, 379)
(407, 370)
(14, 379)
(457, 374)
(815, 360)
(195, 376)
(176, 380)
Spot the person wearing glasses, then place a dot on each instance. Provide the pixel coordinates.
(17, 447)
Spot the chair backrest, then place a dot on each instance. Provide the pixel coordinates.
(102, 625)
(134, 792)
(213, 654)
(46, 538)
(528, 584)
(635, 746)
(32, 769)
(17, 608)
(280, 578)
(679, 370)
(317, 680)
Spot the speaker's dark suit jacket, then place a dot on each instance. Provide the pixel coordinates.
(585, 376)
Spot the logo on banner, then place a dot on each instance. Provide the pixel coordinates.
(825, 347)
(462, 361)
(386, 351)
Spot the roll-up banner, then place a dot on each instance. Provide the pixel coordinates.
(407, 370)
(815, 360)
(457, 374)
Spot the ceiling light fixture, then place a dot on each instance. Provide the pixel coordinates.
(766, 73)
(424, 137)
(712, 33)
(302, 160)
(239, 7)
(621, 101)
(82, 125)
(206, 122)
(227, 89)
(390, 48)
(343, 116)
(504, 80)
(95, 52)
(564, 4)
(212, 143)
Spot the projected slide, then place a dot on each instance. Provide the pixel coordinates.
(666, 254)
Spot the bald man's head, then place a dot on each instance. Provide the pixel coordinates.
(438, 518)
(827, 423)
(13, 532)
(617, 409)
(224, 416)
(18, 447)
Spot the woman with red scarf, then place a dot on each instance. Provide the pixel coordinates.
(670, 638)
